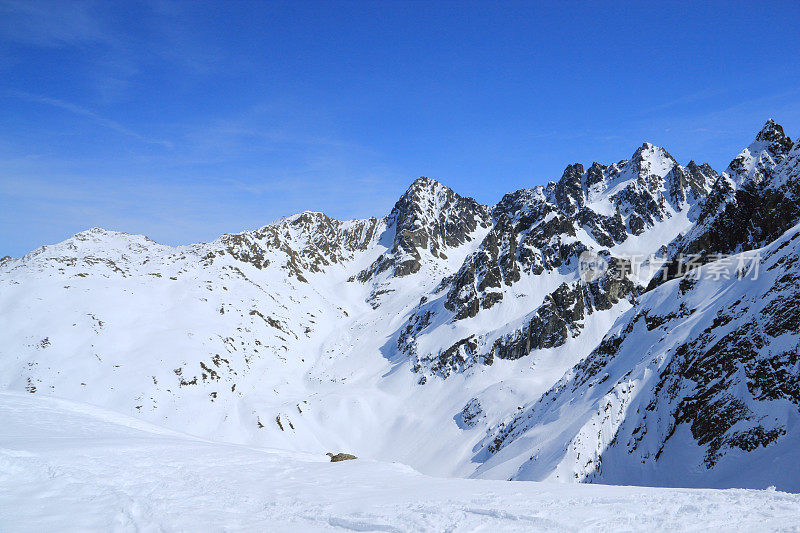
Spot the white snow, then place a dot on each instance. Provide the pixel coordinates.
(72, 467)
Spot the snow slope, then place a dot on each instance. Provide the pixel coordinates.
(695, 386)
(72, 467)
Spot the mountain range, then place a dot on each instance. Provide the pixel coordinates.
(459, 338)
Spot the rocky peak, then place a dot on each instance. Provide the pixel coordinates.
(756, 162)
(688, 183)
(650, 161)
(611, 202)
(704, 175)
(423, 185)
(429, 219)
(312, 229)
(523, 205)
(426, 200)
(97, 242)
(569, 190)
(750, 205)
(772, 134)
(300, 244)
(595, 176)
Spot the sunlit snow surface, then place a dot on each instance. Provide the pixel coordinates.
(71, 467)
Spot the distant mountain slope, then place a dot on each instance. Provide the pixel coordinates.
(698, 385)
(425, 335)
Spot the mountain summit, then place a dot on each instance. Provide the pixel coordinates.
(425, 223)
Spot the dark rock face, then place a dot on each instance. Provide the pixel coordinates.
(530, 240)
(569, 191)
(772, 133)
(428, 218)
(595, 176)
(641, 206)
(606, 230)
(559, 318)
(754, 217)
(561, 315)
(492, 266)
(456, 358)
(701, 178)
(635, 224)
(693, 180)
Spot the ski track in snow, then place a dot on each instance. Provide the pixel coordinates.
(72, 467)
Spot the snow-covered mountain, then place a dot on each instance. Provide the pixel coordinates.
(698, 384)
(459, 338)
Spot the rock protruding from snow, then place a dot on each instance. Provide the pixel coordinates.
(756, 162)
(307, 243)
(425, 224)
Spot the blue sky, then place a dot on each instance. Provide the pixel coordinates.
(184, 121)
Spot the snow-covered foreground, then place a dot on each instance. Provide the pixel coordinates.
(69, 466)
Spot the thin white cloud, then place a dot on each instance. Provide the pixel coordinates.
(49, 24)
(88, 113)
(116, 54)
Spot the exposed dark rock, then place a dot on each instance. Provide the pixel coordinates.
(429, 218)
(569, 191)
(470, 415)
(341, 457)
